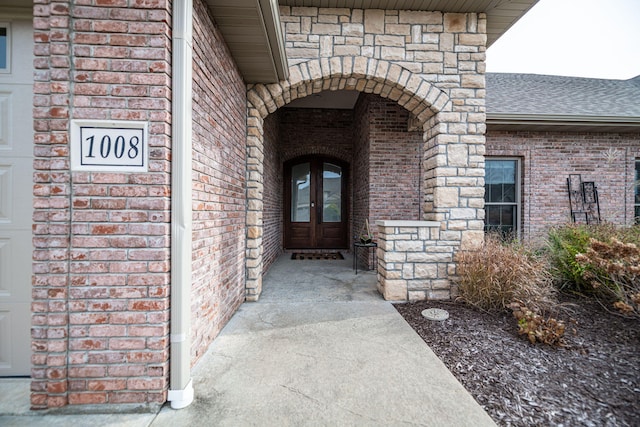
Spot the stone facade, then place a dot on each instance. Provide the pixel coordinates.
(430, 63)
(547, 159)
(414, 262)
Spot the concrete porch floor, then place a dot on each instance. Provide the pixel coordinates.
(321, 347)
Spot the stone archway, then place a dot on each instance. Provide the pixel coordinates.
(431, 107)
(389, 80)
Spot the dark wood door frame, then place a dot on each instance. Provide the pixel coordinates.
(316, 234)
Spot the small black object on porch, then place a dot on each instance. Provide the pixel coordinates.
(357, 245)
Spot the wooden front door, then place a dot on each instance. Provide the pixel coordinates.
(315, 211)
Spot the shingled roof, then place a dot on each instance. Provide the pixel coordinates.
(557, 100)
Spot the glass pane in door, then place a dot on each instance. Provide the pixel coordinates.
(300, 192)
(331, 193)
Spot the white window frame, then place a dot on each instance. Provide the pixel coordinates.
(7, 26)
(518, 185)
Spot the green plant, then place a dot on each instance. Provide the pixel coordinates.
(564, 244)
(497, 273)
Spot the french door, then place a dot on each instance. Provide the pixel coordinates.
(315, 211)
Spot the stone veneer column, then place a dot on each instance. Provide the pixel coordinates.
(255, 189)
(454, 175)
(414, 263)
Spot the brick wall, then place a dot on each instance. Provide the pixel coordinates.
(316, 131)
(273, 192)
(387, 163)
(101, 259)
(547, 159)
(394, 163)
(361, 158)
(219, 183)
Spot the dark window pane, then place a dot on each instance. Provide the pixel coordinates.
(492, 216)
(3, 48)
(500, 181)
(500, 215)
(509, 193)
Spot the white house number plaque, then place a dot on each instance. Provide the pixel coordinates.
(109, 146)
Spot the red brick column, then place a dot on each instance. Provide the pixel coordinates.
(102, 250)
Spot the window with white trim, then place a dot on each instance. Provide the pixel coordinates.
(502, 195)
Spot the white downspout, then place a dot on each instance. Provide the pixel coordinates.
(181, 386)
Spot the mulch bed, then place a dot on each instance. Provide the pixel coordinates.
(594, 380)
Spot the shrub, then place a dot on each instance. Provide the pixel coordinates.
(496, 274)
(613, 270)
(567, 241)
(602, 261)
(564, 244)
(536, 328)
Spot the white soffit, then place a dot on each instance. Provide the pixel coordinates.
(251, 29)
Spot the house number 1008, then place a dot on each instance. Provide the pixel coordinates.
(110, 146)
(119, 147)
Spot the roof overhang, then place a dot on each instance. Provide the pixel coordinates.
(253, 31)
(16, 9)
(561, 123)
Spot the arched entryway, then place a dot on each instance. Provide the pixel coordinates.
(449, 157)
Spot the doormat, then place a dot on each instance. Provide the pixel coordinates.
(317, 255)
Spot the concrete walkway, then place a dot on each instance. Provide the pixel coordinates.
(320, 348)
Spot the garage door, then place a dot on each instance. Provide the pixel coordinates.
(16, 188)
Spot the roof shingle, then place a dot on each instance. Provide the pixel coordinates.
(509, 93)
